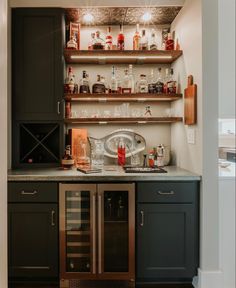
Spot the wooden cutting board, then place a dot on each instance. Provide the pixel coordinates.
(190, 102)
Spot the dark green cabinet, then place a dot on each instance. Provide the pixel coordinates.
(167, 232)
(32, 231)
(37, 65)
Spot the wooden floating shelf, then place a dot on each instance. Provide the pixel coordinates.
(125, 120)
(133, 97)
(121, 57)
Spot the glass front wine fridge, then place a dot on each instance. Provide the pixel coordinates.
(97, 231)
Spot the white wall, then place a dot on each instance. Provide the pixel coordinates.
(227, 103)
(3, 144)
(188, 29)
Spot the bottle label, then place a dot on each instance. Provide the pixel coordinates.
(143, 89)
(120, 45)
(159, 87)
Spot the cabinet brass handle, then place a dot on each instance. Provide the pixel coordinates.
(23, 192)
(166, 193)
(53, 218)
(58, 108)
(142, 218)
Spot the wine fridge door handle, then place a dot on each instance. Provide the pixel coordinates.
(99, 234)
(166, 192)
(53, 218)
(94, 233)
(58, 107)
(142, 218)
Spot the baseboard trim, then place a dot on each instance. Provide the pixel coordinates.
(208, 279)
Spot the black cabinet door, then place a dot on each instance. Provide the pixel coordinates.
(33, 240)
(37, 66)
(166, 241)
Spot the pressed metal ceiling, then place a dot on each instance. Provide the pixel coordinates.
(123, 15)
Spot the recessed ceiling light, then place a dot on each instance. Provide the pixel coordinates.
(88, 17)
(147, 16)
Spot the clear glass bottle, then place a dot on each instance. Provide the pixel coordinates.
(171, 84)
(166, 79)
(108, 39)
(153, 42)
(136, 38)
(121, 39)
(99, 43)
(143, 45)
(114, 86)
(142, 84)
(125, 82)
(99, 86)
(91, 42)
(152, 83)
(84, 83)
(97, 153)
(159, 84)
(131, 78)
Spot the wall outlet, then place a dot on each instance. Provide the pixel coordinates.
(191, 135)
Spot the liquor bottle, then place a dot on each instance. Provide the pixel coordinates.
(69, 81)
(171, 84)
(99, 86)
(121, 39)
(108, 39)
(67, 161)
(151, 158)
(159, 84)
(153, 42)
(121, 152)
(84, 84)
(125, 84)
(91, 42)
(114, 86)
(136, 38)
(143, 45)
(131, 78)
(142, 84)
(152, 83)
(68, 110)
(71, 44)
(99, 43)
(169, 44)
(166, 79)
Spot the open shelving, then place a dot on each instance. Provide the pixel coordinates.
(125, 120)
(121, 57)
(117, 97)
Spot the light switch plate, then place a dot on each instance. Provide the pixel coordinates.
(191, 135)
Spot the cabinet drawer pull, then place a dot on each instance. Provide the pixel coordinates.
(166, 193)
(23, 192)
(142, 218)
(53, 218)
(58, 108)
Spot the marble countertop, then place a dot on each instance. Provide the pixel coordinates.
(110, 173)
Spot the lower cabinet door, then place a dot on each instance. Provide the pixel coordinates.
(166, 242)
(33, 240)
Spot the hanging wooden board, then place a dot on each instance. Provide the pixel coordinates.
(190, 102)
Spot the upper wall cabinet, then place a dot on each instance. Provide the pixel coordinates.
(37, 65)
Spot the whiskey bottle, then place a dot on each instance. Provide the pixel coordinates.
(114, 86)
(171, 84)
(108, 39)
(142, 84)
(159, 84)
(153, 43)
(99, 43)
(136, 38)
(143, 45)
(99, 86)
(70, 79)
(84, 84)
(67, 161)
(152, 83)
(121, 39)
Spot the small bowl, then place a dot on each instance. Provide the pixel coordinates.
(224, 164)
